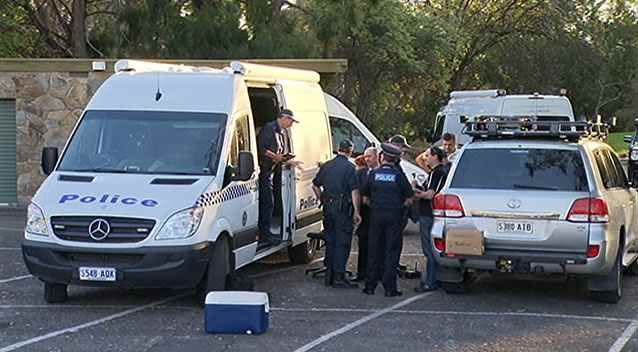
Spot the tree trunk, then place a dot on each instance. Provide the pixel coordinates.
(78, 18)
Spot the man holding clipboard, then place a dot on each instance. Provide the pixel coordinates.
(273, 153)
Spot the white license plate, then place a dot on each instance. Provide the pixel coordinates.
(97, 274)
(514, 227)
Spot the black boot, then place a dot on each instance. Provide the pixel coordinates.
(340, 281)
(329, 278)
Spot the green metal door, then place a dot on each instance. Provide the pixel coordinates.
(8, 179)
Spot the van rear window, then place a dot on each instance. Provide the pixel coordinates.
(512, 169)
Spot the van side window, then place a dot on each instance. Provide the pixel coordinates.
(604, 168)
(240, 141)
(342, 129)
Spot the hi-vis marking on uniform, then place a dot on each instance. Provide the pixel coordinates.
(385, 177)
(226, 194)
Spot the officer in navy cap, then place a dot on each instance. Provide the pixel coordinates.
(387, 191)
(336, 186)
(273, 154)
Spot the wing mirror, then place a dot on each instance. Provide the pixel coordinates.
(49, 159)
(246, 166)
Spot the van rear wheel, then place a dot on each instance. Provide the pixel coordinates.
(55, 293)
(303, 253)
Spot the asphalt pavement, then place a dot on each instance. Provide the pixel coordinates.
(501, 313)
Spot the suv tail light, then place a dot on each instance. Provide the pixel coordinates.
(593, 250)
(447, 206)
(589, 210)
(439, 244)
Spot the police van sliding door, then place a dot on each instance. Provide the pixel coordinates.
(310, 142)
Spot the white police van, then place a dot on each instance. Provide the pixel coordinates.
(345, 124)
(464, 105)
(157, 185)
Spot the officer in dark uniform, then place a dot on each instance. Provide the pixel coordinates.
(371, 157)
(401, 142)
(336, 185)
(387, 191)
(272, 150)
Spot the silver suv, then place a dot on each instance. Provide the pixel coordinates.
(546, 198)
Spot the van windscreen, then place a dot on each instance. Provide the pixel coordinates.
(531, 169)
(148, 142)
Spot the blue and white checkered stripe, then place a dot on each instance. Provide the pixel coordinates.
(226, 194)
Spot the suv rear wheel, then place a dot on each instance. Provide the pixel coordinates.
(613, 295)
(458, 287)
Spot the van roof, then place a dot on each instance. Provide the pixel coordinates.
(486, 104)
(139, 91)
(250, 72)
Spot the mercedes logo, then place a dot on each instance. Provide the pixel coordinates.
(514, 203)
(99, 229)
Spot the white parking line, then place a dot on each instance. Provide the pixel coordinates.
(354, 324)
(76, 328)
(3, 281)
(439, 312)
(624, 338)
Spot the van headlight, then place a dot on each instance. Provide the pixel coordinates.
(181, 225)
(36, 223)
(634, 154)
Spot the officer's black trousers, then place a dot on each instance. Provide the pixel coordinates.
(338, 229)
(384, 248)
(362, 238)
(266, 204)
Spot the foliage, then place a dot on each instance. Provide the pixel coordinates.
(404, 56)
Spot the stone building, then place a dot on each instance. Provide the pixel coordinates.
(41, 100)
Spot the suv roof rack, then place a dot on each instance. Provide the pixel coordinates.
(530, 127)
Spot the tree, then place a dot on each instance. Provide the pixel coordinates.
(63, 23)
(475, 27)
(17, 38)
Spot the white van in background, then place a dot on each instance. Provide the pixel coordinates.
(467, 104)
(345, 124)
(157, 184)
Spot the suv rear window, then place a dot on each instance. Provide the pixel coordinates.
(539, 169)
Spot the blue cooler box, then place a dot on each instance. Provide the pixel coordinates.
(233, 312)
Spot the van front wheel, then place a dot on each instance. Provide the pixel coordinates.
(55, 293)
(216, 277)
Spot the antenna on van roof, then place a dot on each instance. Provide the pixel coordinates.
(158, 94)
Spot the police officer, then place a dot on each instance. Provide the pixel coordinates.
(272, 150)
(371, 158)
(336, 185)
(387, 191)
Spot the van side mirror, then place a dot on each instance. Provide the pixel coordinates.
(628, 139)
(49, 159)
(246, 166)
(427, 134)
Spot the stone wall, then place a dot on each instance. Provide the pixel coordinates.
(52, 95)
(47, 107)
